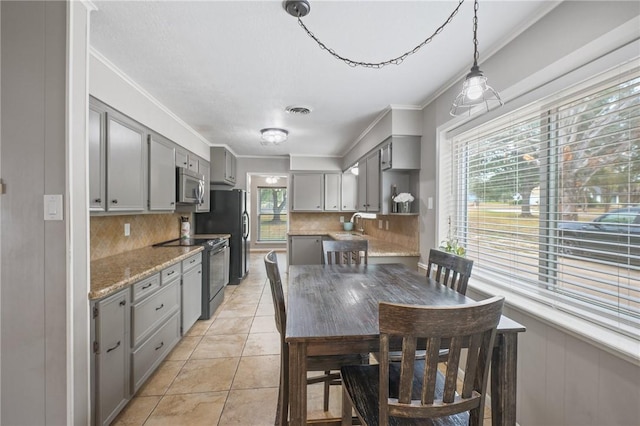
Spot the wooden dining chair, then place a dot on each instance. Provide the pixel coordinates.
(415, 390)
(329, 365)
(450, 270)
(345, 252)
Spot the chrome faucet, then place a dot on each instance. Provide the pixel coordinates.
(354, 216)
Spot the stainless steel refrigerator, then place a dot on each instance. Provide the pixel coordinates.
(228, 215)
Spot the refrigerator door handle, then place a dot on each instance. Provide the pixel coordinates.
(245, 225)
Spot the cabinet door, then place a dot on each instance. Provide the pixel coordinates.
(191, 297)
(332, 192)
(182, 159)
(192, 163)
(362, 187)
(97, 171)
(126, 164)
(203, 169)
(307, 192)
(305, 250)
(386, 157)
(230, 167)
(162, 175)
(112, 356)
(349, 192)
(373, 182)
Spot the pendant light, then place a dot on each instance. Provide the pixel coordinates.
(475, 91)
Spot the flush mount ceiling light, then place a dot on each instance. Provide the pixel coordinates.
(475, 91)
(271, 180)
(273, 136)
(300, 8)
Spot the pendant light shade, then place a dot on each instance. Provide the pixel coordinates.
(475, 90)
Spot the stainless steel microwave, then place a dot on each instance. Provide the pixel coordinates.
(189, 186)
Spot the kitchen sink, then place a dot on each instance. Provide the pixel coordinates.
(347, 234)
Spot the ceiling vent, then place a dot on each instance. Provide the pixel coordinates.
(298, 110)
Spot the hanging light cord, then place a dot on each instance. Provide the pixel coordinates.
(476, 54)
(395, 61)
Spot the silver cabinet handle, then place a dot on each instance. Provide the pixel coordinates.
(114, 348)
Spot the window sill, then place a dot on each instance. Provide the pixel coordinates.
(603, 338)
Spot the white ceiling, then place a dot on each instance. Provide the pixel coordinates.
(230, 68)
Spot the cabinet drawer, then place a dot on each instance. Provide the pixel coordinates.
(153, 310)
(192, 261)
(148, 356)
(170, 273)
(145, 287)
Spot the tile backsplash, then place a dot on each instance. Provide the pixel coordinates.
(403, 229)
(107, 232)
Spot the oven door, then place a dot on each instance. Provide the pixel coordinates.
(218, 271)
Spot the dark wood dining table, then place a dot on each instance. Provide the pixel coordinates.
(333, 309)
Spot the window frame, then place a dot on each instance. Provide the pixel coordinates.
(556, 312)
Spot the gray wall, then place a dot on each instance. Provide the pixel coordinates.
(33, 260)
(43, 264)
(259, 165)
(562, 379)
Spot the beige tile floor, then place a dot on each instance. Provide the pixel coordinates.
(225, 370)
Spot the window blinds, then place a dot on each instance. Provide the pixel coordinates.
(546, 200)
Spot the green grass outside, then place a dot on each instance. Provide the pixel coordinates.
(271, 231)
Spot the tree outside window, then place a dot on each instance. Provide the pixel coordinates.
(272, 214)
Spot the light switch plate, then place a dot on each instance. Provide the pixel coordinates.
(127, 229)
(53, 207)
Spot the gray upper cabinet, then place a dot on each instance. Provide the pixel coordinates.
(349, 192)
(332, 191)
(97, 169)
(125, 163)
(308, 191)
(111, 350)
(223, 166)
(400, 153)
(369, 183)
(182, 159)
(162, 174)
(203, 169)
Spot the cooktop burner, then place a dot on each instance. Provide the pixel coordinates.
(188, 242)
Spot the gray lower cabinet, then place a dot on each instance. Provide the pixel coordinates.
(191, 291)
(155, 324)
(111, 356)
(305, 250)
(162, 174)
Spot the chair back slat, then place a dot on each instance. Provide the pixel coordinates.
(421, 392)
(449, 270)
(345, 252)
(277, 294)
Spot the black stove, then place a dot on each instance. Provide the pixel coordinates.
(215, 269)
(190, 242)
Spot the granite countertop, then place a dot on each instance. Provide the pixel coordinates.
(212, 236)
(377, 247)
(113, 273)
